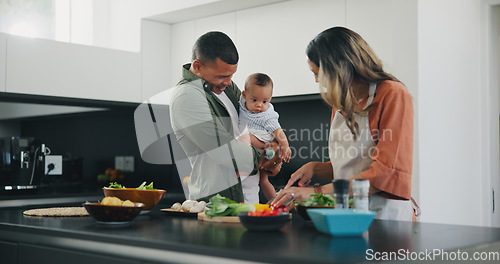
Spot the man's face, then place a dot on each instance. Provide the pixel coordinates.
(217, 74)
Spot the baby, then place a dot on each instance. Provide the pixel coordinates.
(258, 116)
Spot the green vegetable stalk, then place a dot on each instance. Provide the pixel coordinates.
(143, 186)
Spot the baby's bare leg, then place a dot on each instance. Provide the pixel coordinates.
(256, 142)
(267, 187)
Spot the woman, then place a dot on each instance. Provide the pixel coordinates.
(371, 132)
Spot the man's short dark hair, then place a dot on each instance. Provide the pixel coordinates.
(213, 45)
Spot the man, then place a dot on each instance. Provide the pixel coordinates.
(204, 116)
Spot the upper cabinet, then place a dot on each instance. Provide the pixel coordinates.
(271, 39)
(3, 54)
(155, 57)
(390, 28)
(45, 67)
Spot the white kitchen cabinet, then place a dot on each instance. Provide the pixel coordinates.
(225, 23)
(390, 28)
(45, 67)
(183, 36)
(155, 54)
(272, 39)
(3, 54)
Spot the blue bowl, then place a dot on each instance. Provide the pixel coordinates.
(341, 222)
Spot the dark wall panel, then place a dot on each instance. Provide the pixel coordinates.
(97, 137)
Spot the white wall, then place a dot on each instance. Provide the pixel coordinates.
(125, 19)
(449, 114)
(495, 110)
(491, 108)
(82, 24)
(3, 54)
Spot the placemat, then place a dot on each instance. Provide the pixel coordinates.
(57, 211)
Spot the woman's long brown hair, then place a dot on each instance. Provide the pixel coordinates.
(342, 55)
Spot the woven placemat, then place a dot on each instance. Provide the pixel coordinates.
(57, 211)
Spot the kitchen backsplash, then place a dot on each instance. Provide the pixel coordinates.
(97, 137)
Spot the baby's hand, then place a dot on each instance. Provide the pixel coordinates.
(286, 153)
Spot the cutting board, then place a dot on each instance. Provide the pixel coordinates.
(218, 219)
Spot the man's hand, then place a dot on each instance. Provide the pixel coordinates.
(273, 166)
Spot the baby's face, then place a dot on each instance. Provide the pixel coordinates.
(257, 97)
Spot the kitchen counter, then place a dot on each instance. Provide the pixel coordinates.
(157, 237)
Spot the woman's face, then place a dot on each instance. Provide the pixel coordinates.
(314, 68)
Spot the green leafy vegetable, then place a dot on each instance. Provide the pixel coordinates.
(143, 186)
(222, 206)
(318, 200)
(116, 185)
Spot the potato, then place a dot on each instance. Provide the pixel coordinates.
(128, 203)
(111, 201)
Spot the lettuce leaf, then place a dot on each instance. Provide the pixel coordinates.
(319, 200)
(222, 206)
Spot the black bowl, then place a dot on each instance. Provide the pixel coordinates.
(112, 214)
(264, 223)
(302, 210)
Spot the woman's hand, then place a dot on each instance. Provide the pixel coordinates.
(288, 195)
(304, 175)
(273, 166)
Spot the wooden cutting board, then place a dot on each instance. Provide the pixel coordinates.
(218, 219)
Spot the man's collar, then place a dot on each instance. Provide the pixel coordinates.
(189, 76)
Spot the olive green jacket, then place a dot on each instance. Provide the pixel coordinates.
(203, 128)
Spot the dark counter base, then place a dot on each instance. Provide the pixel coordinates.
(158, 238)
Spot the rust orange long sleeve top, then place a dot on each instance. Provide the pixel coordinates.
(391, 126)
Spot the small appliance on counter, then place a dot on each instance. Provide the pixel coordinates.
(21, 163)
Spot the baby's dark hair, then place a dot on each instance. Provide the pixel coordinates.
(260, 79)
